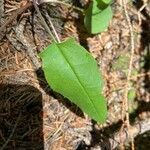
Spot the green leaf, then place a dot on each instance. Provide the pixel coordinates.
(97, 20)
(133, 105)
(131, 94)
(71, 71)
(121, 63)
(102, 2)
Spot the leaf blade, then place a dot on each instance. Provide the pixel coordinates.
(102, 2)
(75, 78)
(97, 19)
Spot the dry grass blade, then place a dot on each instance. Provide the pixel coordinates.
(125, 106)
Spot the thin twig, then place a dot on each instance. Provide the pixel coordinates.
(12, 133)
(137, 129)
(140, 10)
(125, 101)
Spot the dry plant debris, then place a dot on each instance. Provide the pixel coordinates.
(46, 120)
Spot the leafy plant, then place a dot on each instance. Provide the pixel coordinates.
(71, 71)
(98, 16)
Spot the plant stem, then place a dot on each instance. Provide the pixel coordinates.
(43, 22)
(53, 28)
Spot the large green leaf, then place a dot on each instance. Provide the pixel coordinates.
(97, 20)
(71, 71)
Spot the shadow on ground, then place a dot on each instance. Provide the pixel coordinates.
(145, 40)
(21, 118)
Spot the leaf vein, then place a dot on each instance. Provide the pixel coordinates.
(76, 75)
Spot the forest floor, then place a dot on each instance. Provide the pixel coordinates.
(33, 117)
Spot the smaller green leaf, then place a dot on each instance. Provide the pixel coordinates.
(97, 20)
(131, 94)
(131, 101)
(121, 63)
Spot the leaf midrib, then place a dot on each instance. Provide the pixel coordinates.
(61, 51)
